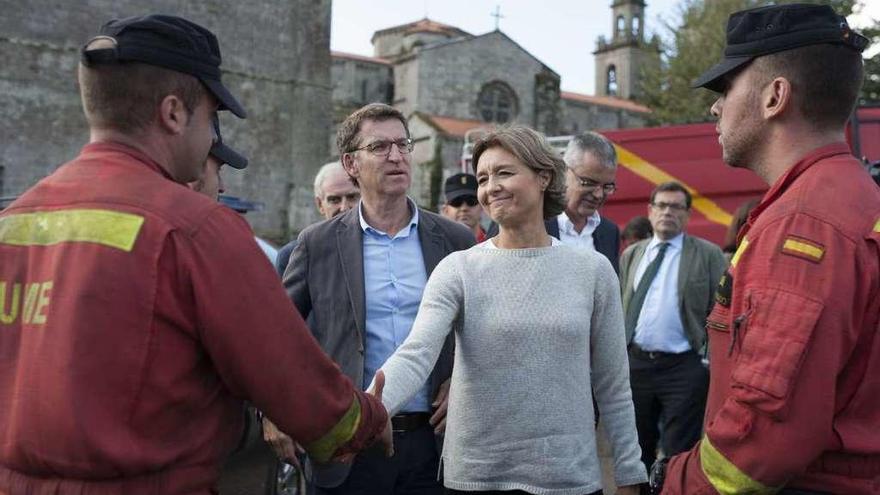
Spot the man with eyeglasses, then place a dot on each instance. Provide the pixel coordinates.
(461, 203)
(592, 166)
(360, 277)
(668, 283)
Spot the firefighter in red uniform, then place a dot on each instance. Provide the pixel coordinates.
(136, 314)
(794, 352)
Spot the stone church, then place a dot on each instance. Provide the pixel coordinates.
(277, 60)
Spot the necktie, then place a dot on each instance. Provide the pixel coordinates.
(638, 298)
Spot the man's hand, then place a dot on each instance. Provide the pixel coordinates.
(387, 436)
(284, 446)
(441, 403)
(627, 490)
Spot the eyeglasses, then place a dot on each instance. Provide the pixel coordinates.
(469, 200)
(592, 186)
(383, 147)
(677, 207)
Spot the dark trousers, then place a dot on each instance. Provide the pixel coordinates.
(412, 471)
(669, 395)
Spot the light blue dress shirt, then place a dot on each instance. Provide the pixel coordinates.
(659, 327)
(394, 279)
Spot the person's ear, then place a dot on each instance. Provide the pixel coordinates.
(173, 115)
(776, 98)
(348, 163)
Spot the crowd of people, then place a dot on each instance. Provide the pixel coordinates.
(400, 351)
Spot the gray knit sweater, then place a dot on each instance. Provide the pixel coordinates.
(536, 330)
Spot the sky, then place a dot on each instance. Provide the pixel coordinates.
(560, 33)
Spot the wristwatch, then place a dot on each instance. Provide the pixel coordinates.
(657, 476)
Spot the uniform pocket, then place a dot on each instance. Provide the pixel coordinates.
(776, 334)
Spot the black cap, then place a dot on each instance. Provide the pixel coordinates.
(460, 185)
(223, 152)
(765, 30)
(166, 41)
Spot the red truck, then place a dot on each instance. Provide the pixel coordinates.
(691, 154)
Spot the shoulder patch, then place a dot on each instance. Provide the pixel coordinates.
(803, 248)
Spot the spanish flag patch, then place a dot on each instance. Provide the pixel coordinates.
(803, 248)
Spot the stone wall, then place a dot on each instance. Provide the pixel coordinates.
(276, 60)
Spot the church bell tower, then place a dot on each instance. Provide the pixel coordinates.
(620, 59)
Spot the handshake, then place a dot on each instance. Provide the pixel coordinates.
(289, 451)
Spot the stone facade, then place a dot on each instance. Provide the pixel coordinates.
(276, 61)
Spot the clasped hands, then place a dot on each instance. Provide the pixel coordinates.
(286, 449)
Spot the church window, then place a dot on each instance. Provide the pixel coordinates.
(497, 102)
(636, 25)
(621, 26)
(611, 86)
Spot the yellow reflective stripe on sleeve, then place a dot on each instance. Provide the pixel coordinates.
(725, 476)
(108, 228)
(877, 226)
(655, 175)
(739, 252)
(323, 448)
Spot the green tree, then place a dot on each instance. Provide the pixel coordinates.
(689, 45)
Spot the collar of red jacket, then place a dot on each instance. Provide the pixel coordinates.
(95, 150)
(783, 183)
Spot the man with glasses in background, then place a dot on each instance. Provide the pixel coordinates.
(668, 283)
(592, 168)
(360, 276)
(461, 203)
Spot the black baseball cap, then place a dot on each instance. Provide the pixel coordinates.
(165, 41)
(460, 185)
(224, 153)
(765, 30)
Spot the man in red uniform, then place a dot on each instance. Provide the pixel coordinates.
(136, 314)
(794, 351)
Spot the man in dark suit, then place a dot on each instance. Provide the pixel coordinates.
(668, 285)
(592, 167)
(360, 277)
(334, 194)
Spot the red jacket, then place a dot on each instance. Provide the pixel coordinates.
(135, 316)
(794, 398)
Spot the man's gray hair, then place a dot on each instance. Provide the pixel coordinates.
(593, 142)
(323, 172)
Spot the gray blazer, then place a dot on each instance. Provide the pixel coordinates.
(325, 280)
(702, 264)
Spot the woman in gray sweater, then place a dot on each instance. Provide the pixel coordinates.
(538, 327)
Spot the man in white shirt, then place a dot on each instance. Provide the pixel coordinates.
(592, 167)
(668, 285)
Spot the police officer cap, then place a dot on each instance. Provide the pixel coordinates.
(460, 185)
(165, 41)
(765, 30)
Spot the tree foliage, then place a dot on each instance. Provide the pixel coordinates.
(691, 44)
